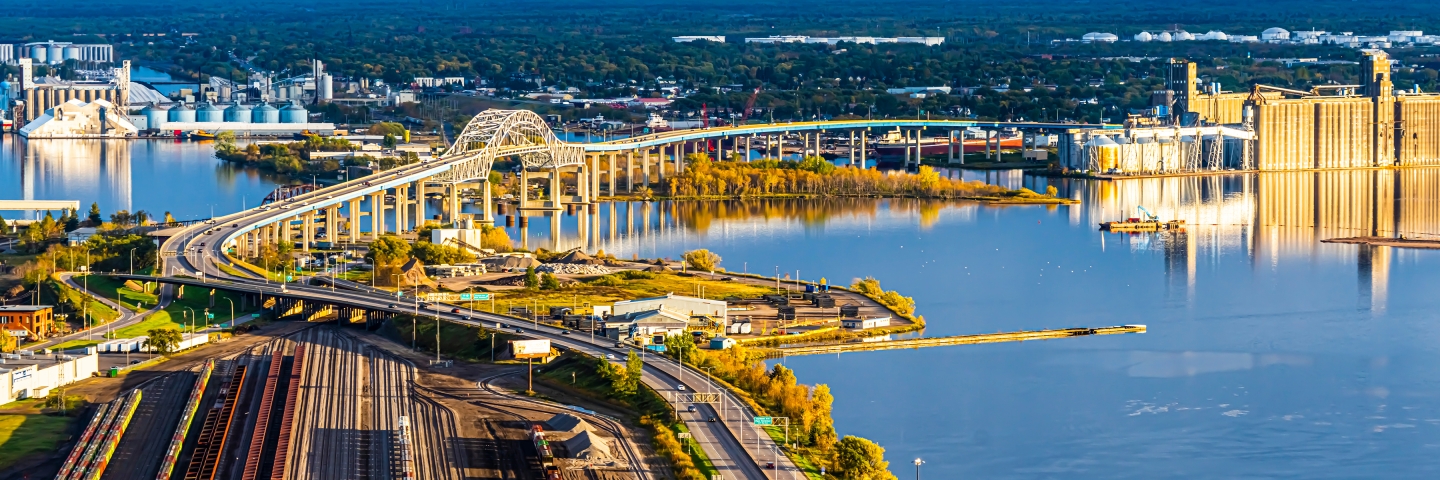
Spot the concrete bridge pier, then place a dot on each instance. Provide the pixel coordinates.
(354, 228)
(420, 217)
(645, 168)
(487, 209)
(377, 215)
(307, 229)
(629, 171)
(610, 175)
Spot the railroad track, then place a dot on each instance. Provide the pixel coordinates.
(606, 423)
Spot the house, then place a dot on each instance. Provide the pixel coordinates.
(864, 323)
(689, 306)
(80, 235)
(37, 321)
(721, 343)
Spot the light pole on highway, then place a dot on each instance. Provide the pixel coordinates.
(191, 316)
(918, 463)
(232, 311)
(132, 261)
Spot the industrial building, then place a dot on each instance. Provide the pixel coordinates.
(35, 97)
(260, 119)
(928, 41)
(77, 119)
(691, 306)
(27, 375)
(54, 53)
(1270, 128)
(692, 38)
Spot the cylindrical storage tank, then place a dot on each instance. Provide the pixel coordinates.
(294, 113)
(239, 113)
(182, 113)
(156, 115)
(327, 87)
(264, 113)
(207, 112)
(71, 52)
(38, 53)
(53, 53)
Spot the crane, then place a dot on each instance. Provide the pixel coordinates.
(1148, 216)
(750, 104)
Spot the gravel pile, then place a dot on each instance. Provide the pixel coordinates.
(573, 269)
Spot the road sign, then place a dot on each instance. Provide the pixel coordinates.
(464, 296)
(683, 435)
(254, 315)
(764, 421)
(209, 315)
(482, 296)
(700, 398)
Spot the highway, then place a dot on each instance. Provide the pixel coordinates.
(194, 250)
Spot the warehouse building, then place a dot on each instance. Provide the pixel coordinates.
(26, 375)
(691, 306)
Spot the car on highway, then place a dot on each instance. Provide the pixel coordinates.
(609, 356)
(680, 387)
(712, 420)
(690, 408)
(454, 310)
(392, 305)
(564, 332)
(769, 465)
(519, 331)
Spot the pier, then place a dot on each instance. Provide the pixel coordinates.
(1001, 337)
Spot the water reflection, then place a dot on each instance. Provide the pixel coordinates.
(183, 178)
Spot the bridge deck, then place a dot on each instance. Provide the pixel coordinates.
(673, 136)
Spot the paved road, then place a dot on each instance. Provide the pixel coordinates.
(127, 316)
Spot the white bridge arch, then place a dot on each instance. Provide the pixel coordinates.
(496, 134)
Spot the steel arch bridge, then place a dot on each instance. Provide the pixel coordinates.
(496, 134)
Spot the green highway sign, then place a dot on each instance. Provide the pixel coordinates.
(482, 296)
(764, 421)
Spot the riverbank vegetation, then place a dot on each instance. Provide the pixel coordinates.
(774, 391)
(814, 176)
(297, 156)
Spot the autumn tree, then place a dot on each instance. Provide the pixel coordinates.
(860, 459)
(702, 259)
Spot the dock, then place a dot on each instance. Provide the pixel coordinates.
(1001, 337)
(1387, 242)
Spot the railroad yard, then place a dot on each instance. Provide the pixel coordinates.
(313, 401)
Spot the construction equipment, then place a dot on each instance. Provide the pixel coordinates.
(1148, 222)
(750, 104)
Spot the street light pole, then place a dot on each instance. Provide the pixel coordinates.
(918, 462)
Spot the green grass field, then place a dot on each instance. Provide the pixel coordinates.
(111, 287)
(28, 436)
(582, 294)
(178, 314)
(75, 344)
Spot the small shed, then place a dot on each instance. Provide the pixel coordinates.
(721, 343)
(864, 323)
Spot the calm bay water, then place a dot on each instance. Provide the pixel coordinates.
(1269, 354)
(183, 178)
